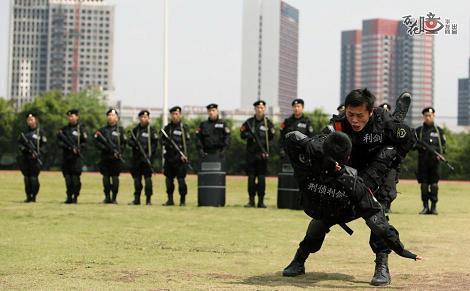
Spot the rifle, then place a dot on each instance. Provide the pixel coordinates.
(110, 147)
(31, 149)
(436, 153)
(176, 147)
(264, 153)
(69, 143)
(142, 152)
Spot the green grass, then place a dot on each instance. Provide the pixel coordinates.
(50, 245)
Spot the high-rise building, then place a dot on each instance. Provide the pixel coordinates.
(464, 101)
(386, 60)
(64, 45)
(350, 61)
(270, 55)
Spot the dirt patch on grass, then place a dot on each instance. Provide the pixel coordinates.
(435, 281)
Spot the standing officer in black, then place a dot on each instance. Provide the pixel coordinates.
(111, 140)
(428, 163)
(175, 164)
(31, 146)
(213, 135)
(296, 122)
(370, 129)
(258, 131)
(144, 142)
(72, 139)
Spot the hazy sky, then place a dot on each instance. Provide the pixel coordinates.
(205, 49)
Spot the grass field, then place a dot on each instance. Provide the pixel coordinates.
(50, 245)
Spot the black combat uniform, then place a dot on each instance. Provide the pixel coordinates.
(72, 139)
(174, 166)
(144, 142)
(258, 134)
(31, 149)
(212, 136)
(111, 140)
(334, 197)
(292, 123)
(428, 164)
(381, 130)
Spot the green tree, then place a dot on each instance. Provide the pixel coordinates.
(7, 118)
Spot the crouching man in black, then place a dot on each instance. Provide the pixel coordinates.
(332, 193)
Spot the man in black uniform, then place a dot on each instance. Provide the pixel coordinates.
(175, 164)
(111, 140)
(296, 122)
(143, 140)
(332, 193)
(258, 131)
(370, 129)
(428, 163)
(213, 135)
(31, 146)
(72, 139)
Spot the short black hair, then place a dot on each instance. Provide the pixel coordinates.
(359, 97)
(338, 146)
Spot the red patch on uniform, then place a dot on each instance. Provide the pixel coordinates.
(338, 126)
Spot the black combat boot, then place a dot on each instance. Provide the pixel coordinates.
(148, 200)
(170, 201)
(28, 198)
(381, 274)
(107, 198)
(297, 266)
(251, 202)
(75, 199)
(114, 198)
(261, 201)
(136, 200)
(433, 208)
(69, 199)
(425, 208)
(33, 198)
(182, 200)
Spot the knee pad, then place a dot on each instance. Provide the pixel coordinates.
(315, 236)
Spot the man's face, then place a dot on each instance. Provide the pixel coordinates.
(297, 109)
(259, 110)
(144, 119)
(72, 118)
(213, 113)
(428, 118)
(175, 116)
(358, 116)
(112, 118)
(31, 121)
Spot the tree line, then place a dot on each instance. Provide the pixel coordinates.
(52, 106)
